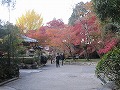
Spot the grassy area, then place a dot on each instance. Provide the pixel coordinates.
(82, 60)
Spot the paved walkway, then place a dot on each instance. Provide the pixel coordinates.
(67, 77)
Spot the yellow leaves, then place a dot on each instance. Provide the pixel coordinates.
(30, 21)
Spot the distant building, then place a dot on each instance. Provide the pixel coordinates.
(30, 44)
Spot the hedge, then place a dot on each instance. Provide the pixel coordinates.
(109, 66)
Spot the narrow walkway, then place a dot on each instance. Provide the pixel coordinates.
(67, 77)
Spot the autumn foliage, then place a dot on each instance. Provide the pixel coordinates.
(109, 45)
(56, 23)
(86, 31)
(29, 21)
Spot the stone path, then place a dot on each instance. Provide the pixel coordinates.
(67, 77)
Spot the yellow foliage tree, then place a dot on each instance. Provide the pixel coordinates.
(30, 21)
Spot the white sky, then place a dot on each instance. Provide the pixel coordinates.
(49, 9)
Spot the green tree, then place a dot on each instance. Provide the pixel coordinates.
(107, 10)
(78, 11)
(3, 31)
(10, 39)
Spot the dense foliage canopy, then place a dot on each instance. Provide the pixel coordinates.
(78, 12)
(107, 10)
(30, 21)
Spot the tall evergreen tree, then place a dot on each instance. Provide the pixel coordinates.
(78, 12)
(107, 10)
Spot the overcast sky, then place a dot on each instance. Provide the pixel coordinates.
(49, 9)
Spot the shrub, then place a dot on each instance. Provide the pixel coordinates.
(28, 62)
(109, 66)
(8, 71)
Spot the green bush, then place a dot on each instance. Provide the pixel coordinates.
(8, 71)
(21, 51)
(28, 60)
(109, 66)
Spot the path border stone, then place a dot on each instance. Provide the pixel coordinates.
(7, 81)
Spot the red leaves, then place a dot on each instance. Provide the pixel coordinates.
(55, 23)
(83, 28)
(31, 33)
(108, 46)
